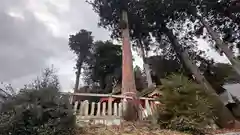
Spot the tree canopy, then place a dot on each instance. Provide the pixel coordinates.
(38, 109)
(81, 44)
(104, 67)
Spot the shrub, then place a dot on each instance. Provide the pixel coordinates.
(6, 92)
(37, 112)
(186, 107)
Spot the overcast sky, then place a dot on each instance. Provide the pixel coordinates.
(34, 35)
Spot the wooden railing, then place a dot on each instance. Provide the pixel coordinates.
(109, 113)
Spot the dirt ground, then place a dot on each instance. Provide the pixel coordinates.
(128, 129)
(143, 129)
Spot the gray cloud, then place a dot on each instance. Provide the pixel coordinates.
(20, 47)
(27, 43)
(80, 16)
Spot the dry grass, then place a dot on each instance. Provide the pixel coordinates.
(140, 129)
(128, 129)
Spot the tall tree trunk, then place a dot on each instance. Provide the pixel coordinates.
(223, 46)
(146, 65)
(221, 111)
(78, 73)
(128, 81)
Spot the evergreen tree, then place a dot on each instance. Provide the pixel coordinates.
(186, 106)
(80, 44)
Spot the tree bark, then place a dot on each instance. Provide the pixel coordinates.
(223, 46)
(146, 66)
(78, 73)
(128, 81)
(223, 114)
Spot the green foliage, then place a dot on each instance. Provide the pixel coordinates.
(154, 17)
(38, 109)
(37, 112)
(6, 92)
(219, 74)
(48, 79)
(186, 107)
(224, 20)
(174, 24)
(104, 68)
(162, 67)
(81, 42)
(226, 72)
